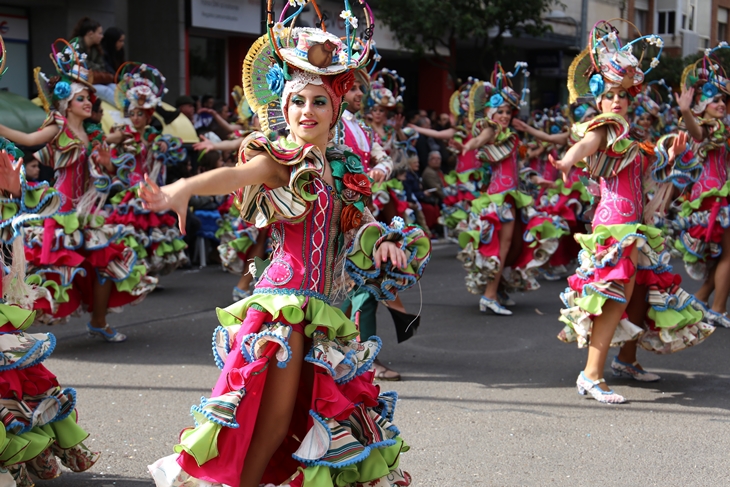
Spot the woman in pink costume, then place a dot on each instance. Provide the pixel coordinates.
(156, 239)
(492, 233)
(295, 404)
(704, 219)
(81, 258)
(38, 416)
(623, 289)
(464, 183)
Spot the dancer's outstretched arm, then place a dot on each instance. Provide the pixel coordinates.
(589, 145)
(40, 137)
(558, 139)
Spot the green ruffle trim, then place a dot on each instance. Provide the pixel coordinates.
(132, 243)
(175, 246)
(18, 317)
(464, 177)
(546, 229)
(58, 292)
(452, 219)
(294, 309)
(380, 463)
(561, 188)
(521, 200)
(603, 232)
(671, 318)
(689, 207)
(223, 229)
(130, 283)
(22, 448)
(386, 185)
(241, 244)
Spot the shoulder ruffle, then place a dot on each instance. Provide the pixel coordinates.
(263, 206)
(65, 148)
(620, 149)
(505, 141)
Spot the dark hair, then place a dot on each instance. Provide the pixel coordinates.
(84, 26)
(218, 105)
(112, 56)
(96, 106)
(209, 160)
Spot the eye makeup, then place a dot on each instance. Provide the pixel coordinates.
(321, 100)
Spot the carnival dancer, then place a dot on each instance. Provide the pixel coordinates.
(81, 259)
(317, 416)
(648, 120)
(703, 222)
(464, 183)
(492, 235)
(623, 289)
(139, 92)
(352, 131)
(38, 415)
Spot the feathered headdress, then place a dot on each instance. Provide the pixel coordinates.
(606, 63)
(459, 101)
(486, 97)
(138, 86)
(387, 88)
(72, 74)
(708, 76)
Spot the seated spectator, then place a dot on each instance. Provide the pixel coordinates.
(97, 112)
(113, 46)
(186, 105)
(433, 178)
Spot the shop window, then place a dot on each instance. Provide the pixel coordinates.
(666, 22)
(207, 66)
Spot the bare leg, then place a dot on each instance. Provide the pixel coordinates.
(703, 294)
(101, 303)
(604, 326)
(636, 310)
(505, 239)
(722, 271)
(275, 412)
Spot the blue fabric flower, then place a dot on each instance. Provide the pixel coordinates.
(639, 111)
(596, 85)
(275, 79)
(579, 111)
(554, 129)
(62, 90)
(709, 90)
(496, 101)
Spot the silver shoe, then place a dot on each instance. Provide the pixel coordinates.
(492, 305)
(585, 386)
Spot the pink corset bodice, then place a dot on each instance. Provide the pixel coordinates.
(505, 175)
(622, 197)
(714, 173)
(358, 141)
(467, 162)
(303, 260)
(71, 182)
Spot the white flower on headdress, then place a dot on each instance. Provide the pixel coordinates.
(612, 36)
(346, 14)
(527, 74)
(654, 63)
(722, 44)
(658, 42)
(353, 22)
(300, 3)
(708, 51)
(278, 29)
(377, 58)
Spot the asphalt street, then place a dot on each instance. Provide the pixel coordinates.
(485, 400)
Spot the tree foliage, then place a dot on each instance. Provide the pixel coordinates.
(433, 27)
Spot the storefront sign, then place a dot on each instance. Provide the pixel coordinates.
(231, 15)
(14, 28)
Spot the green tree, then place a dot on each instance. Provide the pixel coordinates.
(433, 27)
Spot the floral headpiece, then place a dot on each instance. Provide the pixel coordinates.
(708, 76)
(459, 101)
(486, 97)
(73, 75)
(243, 110)
(138, 86)
(582, 110)
(287, 54)
(650, 100)
(387, 88)
(606, 63)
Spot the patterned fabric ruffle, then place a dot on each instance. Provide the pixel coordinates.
(671, 324)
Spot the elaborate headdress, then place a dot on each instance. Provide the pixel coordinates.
(286, 59)
(243, 110)
(387, 88)
(708, 76)
(486, 97)
(606, 63)
(582, 110)
(72, 75)
(3, 57)
(138, 86)
(459, 101)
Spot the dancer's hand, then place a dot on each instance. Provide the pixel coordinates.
(560, 165)
(101, 155)
(678, 146)
(398, 120)
(455, 144)
(377, 175)
(544, 183)
(684, 101)
(204, 144)
(10, 174)
(173, 197)
(519, 124)
(390, 251)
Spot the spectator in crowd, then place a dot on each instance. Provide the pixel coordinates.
(203, 118)
(32, 170)
(186, 105)
(113, 46)
(97, 112)
(414, 194)
(444, 122)
(90, 33)
(433, 178)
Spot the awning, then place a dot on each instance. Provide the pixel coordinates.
(19, 113)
